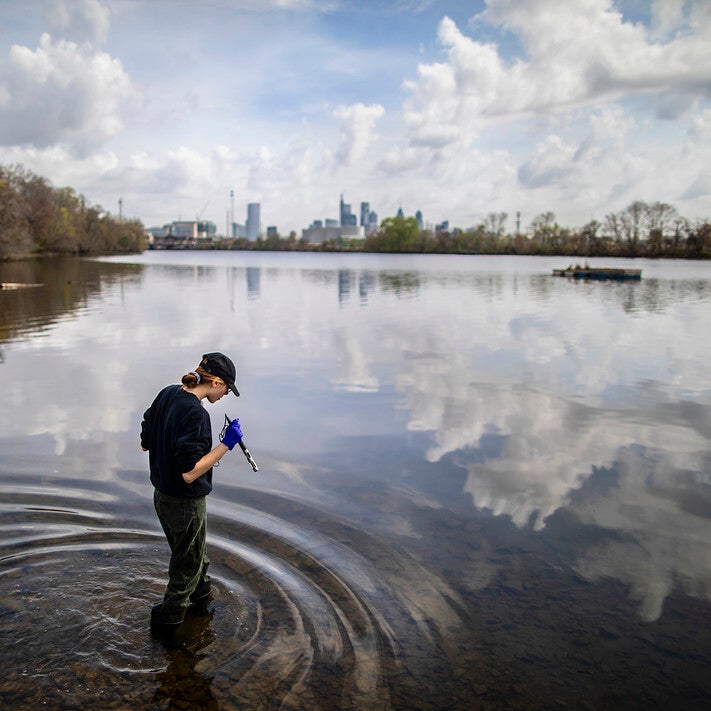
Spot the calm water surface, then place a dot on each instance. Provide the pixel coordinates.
(480, 486)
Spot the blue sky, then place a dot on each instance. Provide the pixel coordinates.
(458, 109)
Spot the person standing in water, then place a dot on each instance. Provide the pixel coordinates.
(177, 434)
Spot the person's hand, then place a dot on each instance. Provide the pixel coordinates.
(233, 434)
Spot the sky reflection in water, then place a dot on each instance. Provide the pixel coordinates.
(531, 385)
(379, 388)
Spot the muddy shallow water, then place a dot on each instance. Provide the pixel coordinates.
(480, 486)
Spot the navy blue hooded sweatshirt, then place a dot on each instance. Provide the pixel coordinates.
(176, 431)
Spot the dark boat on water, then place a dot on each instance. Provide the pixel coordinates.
(578, 272)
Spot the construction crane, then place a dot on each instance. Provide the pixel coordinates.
(198, 219)
(202, 212)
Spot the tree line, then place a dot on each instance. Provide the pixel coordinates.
(642, 229)
(38, 219)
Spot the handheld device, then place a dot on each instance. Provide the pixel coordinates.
(242, 445)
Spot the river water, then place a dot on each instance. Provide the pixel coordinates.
(480, 486)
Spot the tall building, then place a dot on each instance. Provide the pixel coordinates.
(368, 219)
(420, 221)
(318, 233)
(371, 226)
(184, 229)
(364, 213)
(253, 226)
(347, 217)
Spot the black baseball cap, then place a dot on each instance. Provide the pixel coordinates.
(220, 365)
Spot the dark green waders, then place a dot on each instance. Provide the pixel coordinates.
(184, 522)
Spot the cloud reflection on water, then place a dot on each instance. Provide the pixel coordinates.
(532, 386)
(544, 400)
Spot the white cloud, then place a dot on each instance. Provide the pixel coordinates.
(699, 187)
(667, 16)
(584, 50)
(80, 20)
(61, 93)
(542, 105)
(357, 124)
(700, 129)
(578, 53)
(431, 112)
(403, 159)
(551, 163)
(587, 162)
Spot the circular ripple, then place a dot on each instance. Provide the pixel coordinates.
(307, 611)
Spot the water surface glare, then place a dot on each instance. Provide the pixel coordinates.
(480, 486)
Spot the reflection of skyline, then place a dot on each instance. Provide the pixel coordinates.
(529, 384)
(650, 295)
(253, 282)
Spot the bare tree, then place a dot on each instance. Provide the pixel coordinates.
(495, 223)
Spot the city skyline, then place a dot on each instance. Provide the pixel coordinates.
(456, 108)
(253, 226)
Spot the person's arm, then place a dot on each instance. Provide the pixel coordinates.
(232, 435)
(205, 463)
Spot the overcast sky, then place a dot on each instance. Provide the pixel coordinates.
(457, 108)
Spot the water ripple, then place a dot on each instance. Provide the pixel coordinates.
(296, 618)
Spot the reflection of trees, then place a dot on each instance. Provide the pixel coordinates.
(649, 295)
(66, 284)
(401, 283)
(658, 294)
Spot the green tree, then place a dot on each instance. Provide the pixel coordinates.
(396, 234)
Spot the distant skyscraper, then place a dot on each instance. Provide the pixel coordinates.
(371, 222)
(347, 217)
(418, 217)
(253, 226)
(364, 213)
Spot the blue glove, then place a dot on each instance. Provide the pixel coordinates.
(233, 434)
